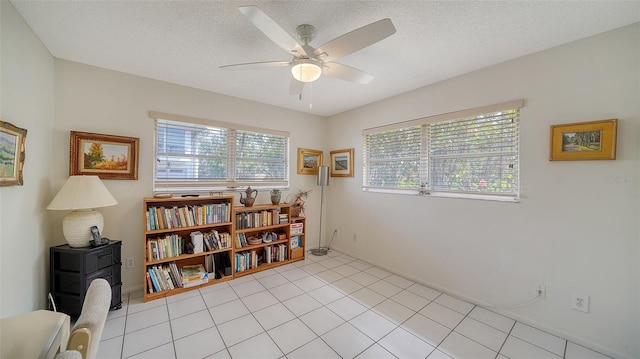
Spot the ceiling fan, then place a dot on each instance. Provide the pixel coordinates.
(308, 63)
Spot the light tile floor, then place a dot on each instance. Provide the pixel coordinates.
(332, 306)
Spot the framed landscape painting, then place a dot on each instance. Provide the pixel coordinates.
(105, 156)
(594, 140)
(309, 161)
(341, 163)
(12, 148)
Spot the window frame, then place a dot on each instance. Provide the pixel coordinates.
(230, 183)
(424, 164)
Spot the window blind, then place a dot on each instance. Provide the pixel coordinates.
(470, 153)
(392, 159)
(195, 156)
(475, 154)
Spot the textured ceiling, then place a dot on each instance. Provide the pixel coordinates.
(184, 42)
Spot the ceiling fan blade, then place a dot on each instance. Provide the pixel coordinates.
(273, 31)
(256, 65)
(296, 87)
(355, 40)
(347, 73)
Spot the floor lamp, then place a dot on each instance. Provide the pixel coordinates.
(323, 180)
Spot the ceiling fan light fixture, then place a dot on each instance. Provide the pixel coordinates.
(306, 70)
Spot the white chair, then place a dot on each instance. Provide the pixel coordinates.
(87, 331)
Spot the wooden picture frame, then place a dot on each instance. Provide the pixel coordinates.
(105, 156)
(309, 161)
(341, 163)
(595, 140)
(12, 149)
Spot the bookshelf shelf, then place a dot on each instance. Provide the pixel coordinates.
(286, 245)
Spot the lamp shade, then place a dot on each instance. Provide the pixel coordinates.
(323, 176)
(81, 194)
(306, 70)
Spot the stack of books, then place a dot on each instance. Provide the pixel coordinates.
(193, 275)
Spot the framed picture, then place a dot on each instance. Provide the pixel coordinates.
(341, 163)
(594, 140)
(105, 156)
(12, 148)
(309, 161)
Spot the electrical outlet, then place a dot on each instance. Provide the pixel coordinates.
(540, 290)
(130, 262)
(580, 302)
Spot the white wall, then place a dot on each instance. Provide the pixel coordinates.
(97, 100)
(576, 226)
(27, 102)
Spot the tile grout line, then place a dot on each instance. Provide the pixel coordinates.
(214, 324)
(507, 337)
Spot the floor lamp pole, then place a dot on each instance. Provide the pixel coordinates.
(323, 180)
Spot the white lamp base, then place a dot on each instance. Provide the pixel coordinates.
(76, 226)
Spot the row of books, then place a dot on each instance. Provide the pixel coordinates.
(214, 240)
(259, 219)
(275, 253)
(160, 248)
(187, 216)
(168, 277)
(246, 260)
(241, 240)
(253, 258)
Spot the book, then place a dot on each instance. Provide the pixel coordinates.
(198, 241)
(149, 284)
(154, 280)
(194, 275)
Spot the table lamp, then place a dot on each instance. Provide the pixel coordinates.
(81, 194)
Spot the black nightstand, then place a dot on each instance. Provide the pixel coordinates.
(73, 269)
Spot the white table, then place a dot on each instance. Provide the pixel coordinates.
(38, 334)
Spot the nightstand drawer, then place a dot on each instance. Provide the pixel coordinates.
(111, 274)
(103, 258)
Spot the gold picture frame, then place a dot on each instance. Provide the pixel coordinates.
(595, 140)
(341, 163)
(12, 149)
(309, 161)
(105, 156)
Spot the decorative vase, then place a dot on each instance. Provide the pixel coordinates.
(275, 196)
(248, 200)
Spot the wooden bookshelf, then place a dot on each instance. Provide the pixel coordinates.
(247, 222)
(168, 224)
(253, 223)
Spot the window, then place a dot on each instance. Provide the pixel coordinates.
(195, 154)
(470, 154)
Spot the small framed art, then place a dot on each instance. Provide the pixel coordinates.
(342, 163)
(309, 161)
(105, 156)
(12, 148)
(595, 140)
